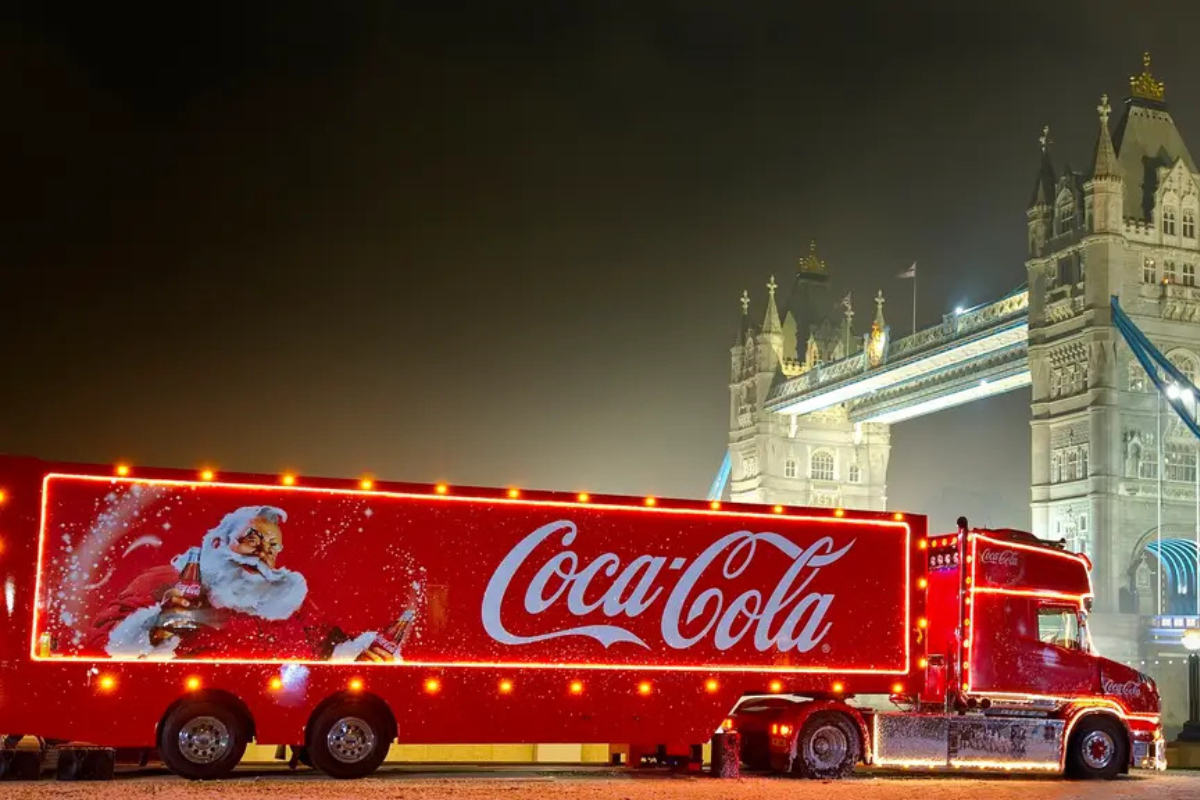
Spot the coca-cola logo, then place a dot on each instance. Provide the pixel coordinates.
(1128, 689)
(694, 605)
(1001, 558)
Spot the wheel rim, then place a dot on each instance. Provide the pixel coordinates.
(827, 747)
(350, 740)
(204, 740)
(1098, 748)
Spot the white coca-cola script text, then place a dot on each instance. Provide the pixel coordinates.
(787, 617)
(1003, 558)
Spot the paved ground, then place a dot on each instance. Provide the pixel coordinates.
(604, 784)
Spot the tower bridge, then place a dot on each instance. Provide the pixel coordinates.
(1114, 471)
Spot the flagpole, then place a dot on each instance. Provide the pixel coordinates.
(914, 297)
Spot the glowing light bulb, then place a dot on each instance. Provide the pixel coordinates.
(922, 623)
(715, 505)
(778, 509)
(711, 685)
(644, 688)
(838, 687)
(123, 470)
(107, 683)
(356, 684)
(776, 686)
(366, 484)
(513, 494)
(922, 663)
(276, 683)
(897, 516)
(922, 583)
(650, 501)
(432, 685)
(506, 687)
(207, 475)
(441, 488)
(921, 545)
(288, 480)
(897, 688)
(839, 512)
(583, 497)
(193, 683)
(576, 687)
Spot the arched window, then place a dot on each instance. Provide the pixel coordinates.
(1189, 223)
(789, 468)
(1149, 271)
(1185, 362)
(855, 473)
(820, 466)
(1168, 222)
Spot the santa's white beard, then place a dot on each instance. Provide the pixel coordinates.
(265, 592)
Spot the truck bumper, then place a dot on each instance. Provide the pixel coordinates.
(1149, 752)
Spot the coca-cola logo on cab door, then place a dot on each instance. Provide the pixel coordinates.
(1128, 689)
(1001, 566)
(688, 596)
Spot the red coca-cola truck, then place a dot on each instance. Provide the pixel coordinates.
(191, 613)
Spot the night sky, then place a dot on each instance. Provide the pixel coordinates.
(504, 245)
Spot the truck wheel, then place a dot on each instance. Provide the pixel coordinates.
(348, 740)
(202, 740)
(827, 746)
(1097, 750)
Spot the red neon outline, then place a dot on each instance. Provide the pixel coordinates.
(201, 484)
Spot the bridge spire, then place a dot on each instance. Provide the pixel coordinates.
(879, 309)
(1106, 157)
(771, 322)
(744, 321)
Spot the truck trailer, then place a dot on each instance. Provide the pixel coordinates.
(188, 614)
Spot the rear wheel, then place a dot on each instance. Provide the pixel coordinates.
(348, 740)
(202, 740)
(827, 746)
(1097, 750)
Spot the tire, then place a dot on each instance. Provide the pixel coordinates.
(827, 746)
(1098, 749)
(202, 740)
(348, 740)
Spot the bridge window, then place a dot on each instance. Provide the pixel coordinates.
(749, 466)
(1066, 218)
(1139, 381)
(1185, 362)
(1189, 274)
(1147, 463)
(820, 466)
(1181, 463)
(1168, 272)
(1189, 223)
(1168, 223)
(1071, 465)
(1056, 382)
(789, 468)
(1149, 272)
(1055, 467)
(855, 473)
(1083, 469)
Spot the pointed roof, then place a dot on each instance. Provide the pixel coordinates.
(771, 322)
(1043, 187)
(1104, 165)
(810, 302)
(1146, 139)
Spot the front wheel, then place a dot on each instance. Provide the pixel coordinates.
(827, 746)
(348, 740)
(202, 740)
(1097, 750)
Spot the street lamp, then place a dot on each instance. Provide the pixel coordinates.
(1191, 728)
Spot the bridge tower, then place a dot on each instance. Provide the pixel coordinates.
(1125, 227)
(816, 459)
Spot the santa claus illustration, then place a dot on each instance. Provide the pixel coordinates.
(229, 598)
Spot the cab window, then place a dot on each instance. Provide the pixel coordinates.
(1059, 626)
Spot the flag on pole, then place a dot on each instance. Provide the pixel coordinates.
(911, 272)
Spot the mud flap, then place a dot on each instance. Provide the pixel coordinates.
(726, 755)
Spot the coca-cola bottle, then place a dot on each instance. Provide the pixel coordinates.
(386, 646)
(181, 606)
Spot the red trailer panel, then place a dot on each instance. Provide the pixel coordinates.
(473, 614)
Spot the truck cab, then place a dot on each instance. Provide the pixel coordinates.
(1012, 680)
